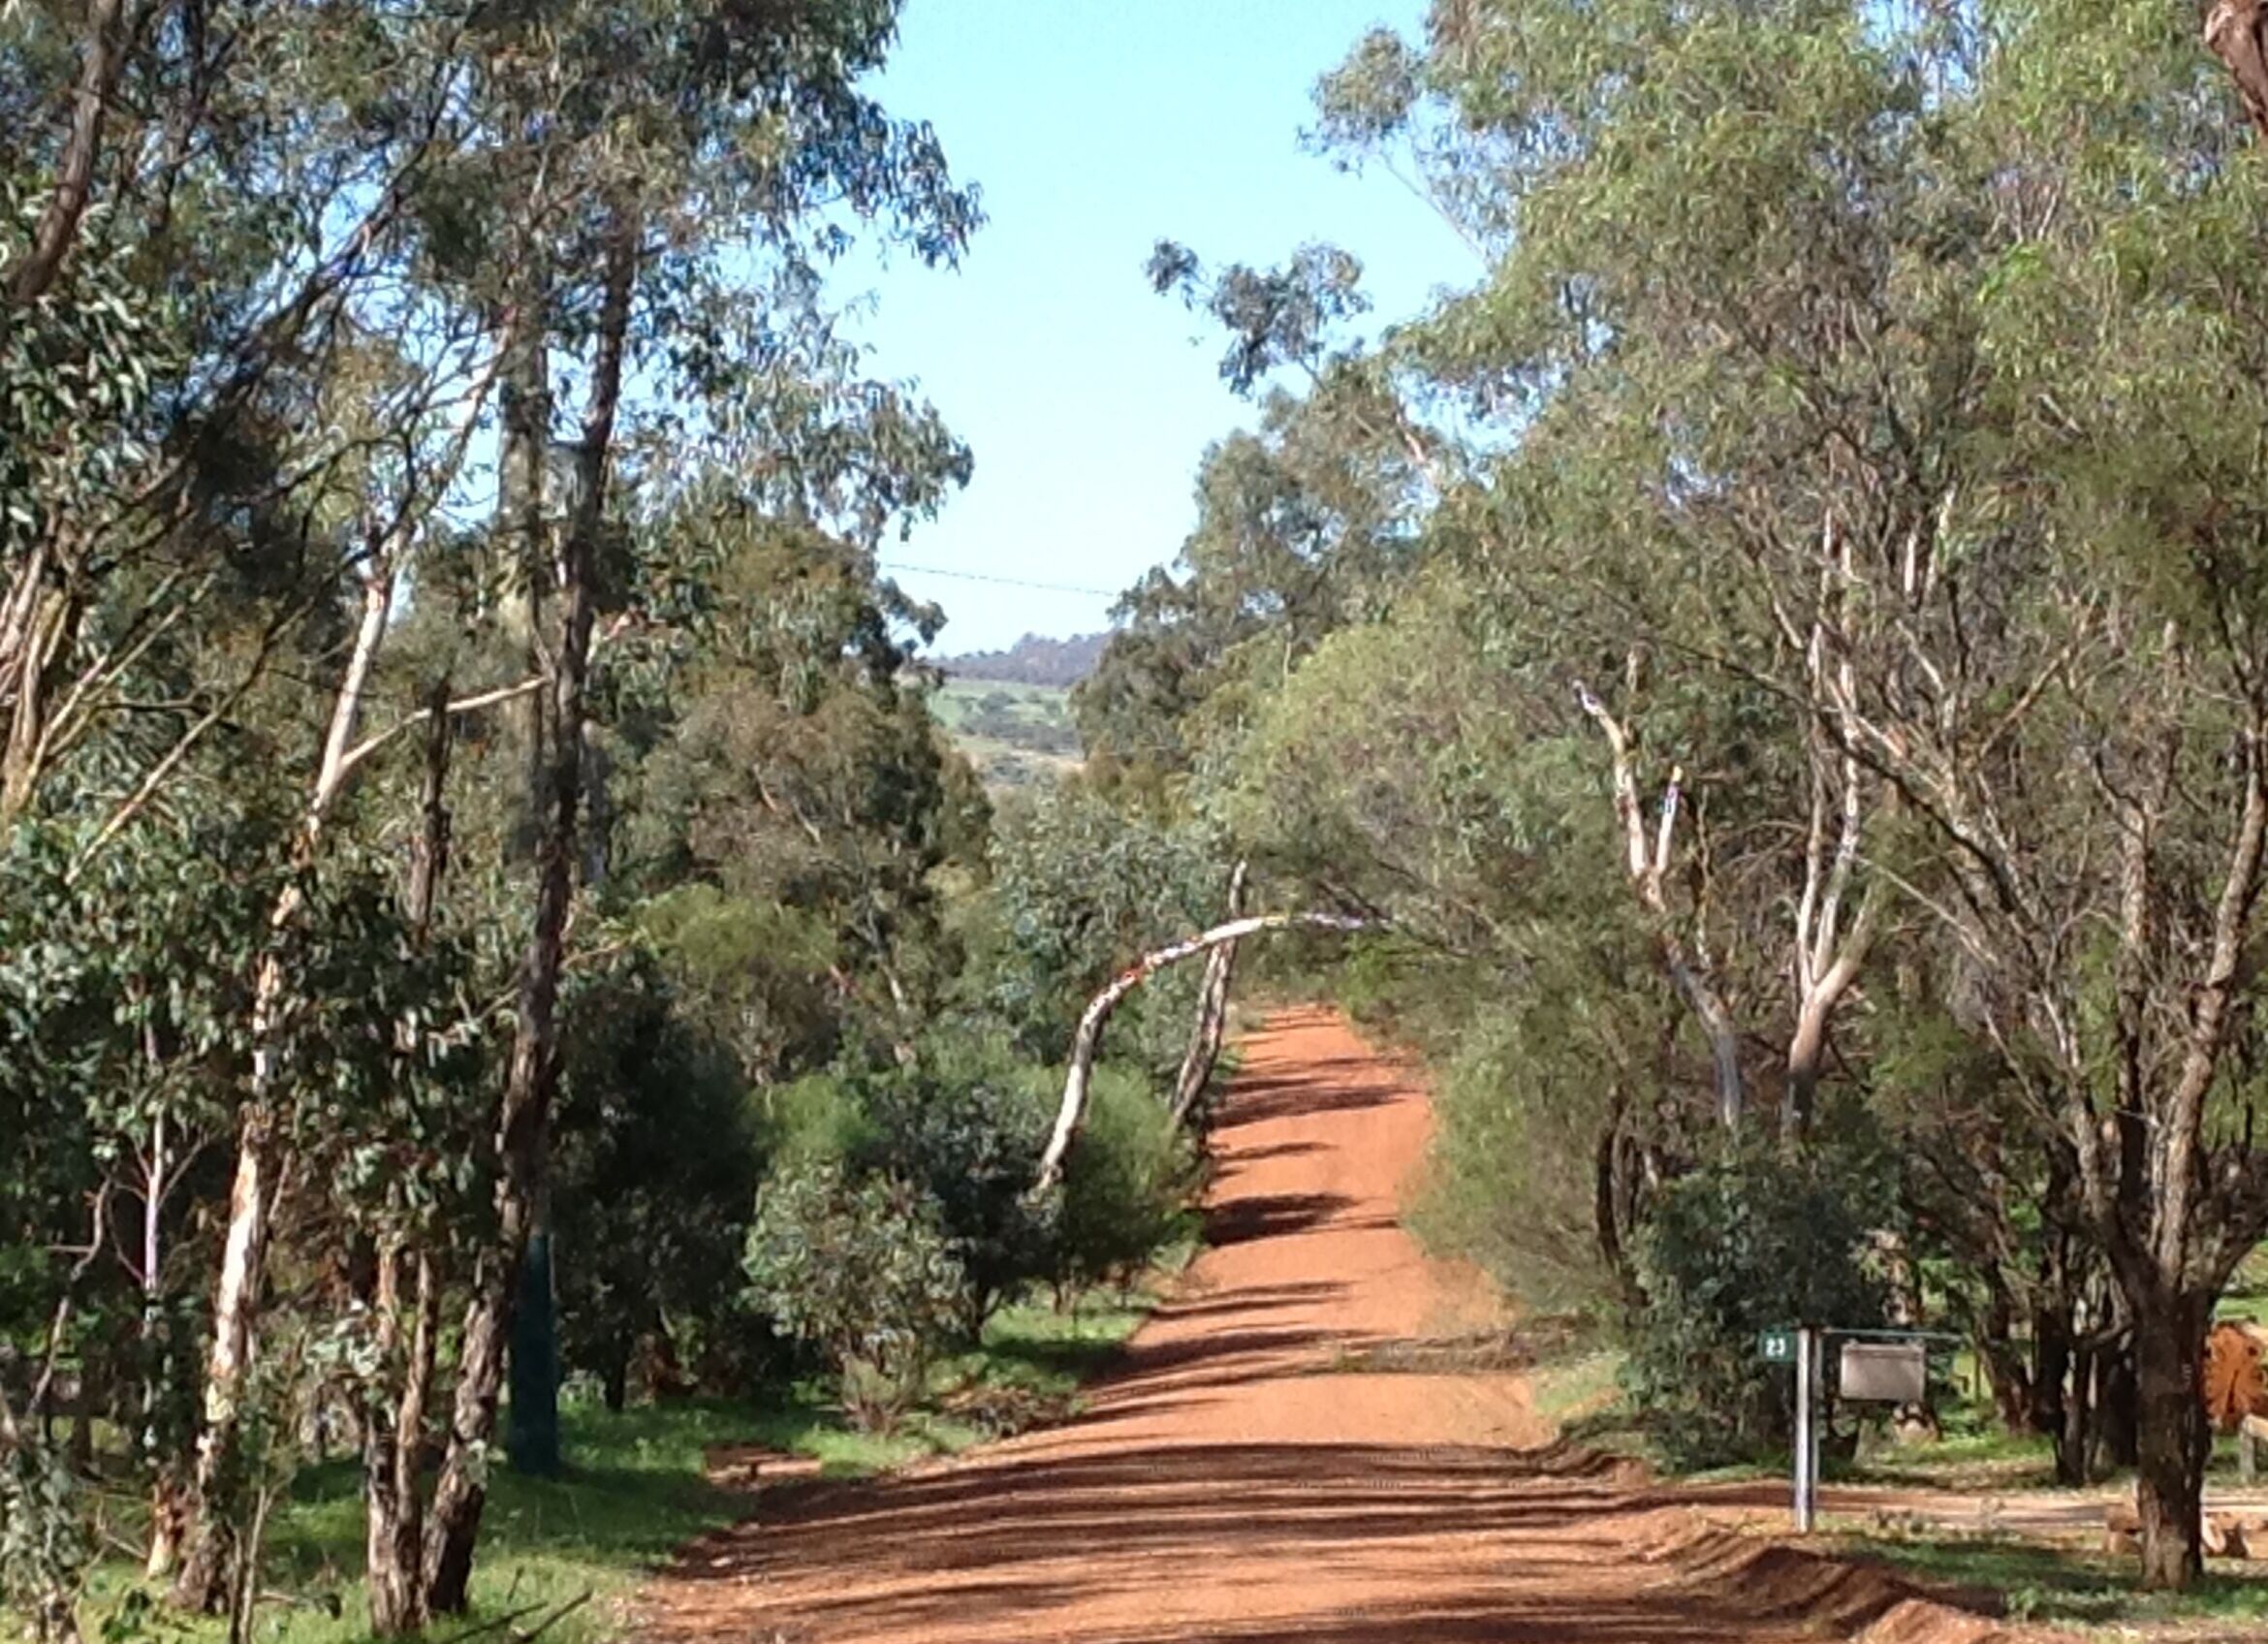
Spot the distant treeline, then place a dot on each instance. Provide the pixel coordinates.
(1032, 660)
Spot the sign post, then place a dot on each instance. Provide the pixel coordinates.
(1875, 1367)
(1806, 1431)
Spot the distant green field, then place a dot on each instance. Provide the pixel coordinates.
(1014, 735)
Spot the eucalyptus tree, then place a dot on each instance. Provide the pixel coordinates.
(675, 140)
(1849, 404)
(1304, 523)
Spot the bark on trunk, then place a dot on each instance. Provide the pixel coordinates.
(2172, 1439)
(1203, 1053)
(1071, 1112)
(2003, 1362)
(210, 1550)
(1646, 863)
(524, 1116)
(2051, 1363)
(2118, 1412)
(531, 1438)
(33, 655)
(394, 1434)
(615, 1387)
(2233, 33)
(101, 56)
(2074, 1443)
(392, 1440)
(204, 1569)
(168, 1503)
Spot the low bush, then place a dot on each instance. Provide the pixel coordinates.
(959, 1124)
(1753, 1240)
(1129, 1185)
(861, 1268)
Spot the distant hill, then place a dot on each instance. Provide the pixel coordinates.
(1016, 735)
(1032, 660)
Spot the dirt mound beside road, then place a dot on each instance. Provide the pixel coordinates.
(1277, 1461)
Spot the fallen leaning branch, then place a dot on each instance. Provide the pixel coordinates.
(1203, 1052)
(1071, 1116)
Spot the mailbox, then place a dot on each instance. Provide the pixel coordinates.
(1884, 1373)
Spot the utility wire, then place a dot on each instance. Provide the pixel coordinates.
(999, 582)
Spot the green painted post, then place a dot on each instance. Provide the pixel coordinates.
(531, 1438)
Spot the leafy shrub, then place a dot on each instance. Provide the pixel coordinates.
(1524, 1099)
(1079, 891)
(44, 1548)
(1753, 1240)
(1128, 1188)
(816, 1120)
(656, 1165)
(862, 1269)
(960, 1127)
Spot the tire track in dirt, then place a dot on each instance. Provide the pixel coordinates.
(1244, 1474)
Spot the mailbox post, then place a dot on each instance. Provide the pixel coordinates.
(1806, 1430)
(1875, 1365)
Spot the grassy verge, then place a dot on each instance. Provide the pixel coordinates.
(637, 1488)
(2067, 1587)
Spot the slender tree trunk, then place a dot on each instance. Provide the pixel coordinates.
(102, 56)
(1647, 863)
(1212, 998)
(616, 1387)
(202, 1578)
(2172, 1437)
(532, 1437)
(394, 1434)
(2051, 1363)
(204, 1569)
(2074, 1444)
(1612, 1198)
(2118, 1409)
(524, 1116)
(2003, 1362)
(1701, 998)
(168, 1508)
(41, 645)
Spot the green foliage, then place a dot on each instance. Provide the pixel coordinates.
(1079, 890)
(1751, 1240)
(1128, 1188)
(1513, 1175)
(960, 1126)
(45, 1549)
(656, 1167)
(861, 1268)
(1016, 736)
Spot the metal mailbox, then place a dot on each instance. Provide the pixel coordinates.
(1883, 1372)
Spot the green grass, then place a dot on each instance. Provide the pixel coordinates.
(2064, 1586)
(633, 1492)
(1583, 1385)
(2248, 1290)
(636, 1488)
(957, 700)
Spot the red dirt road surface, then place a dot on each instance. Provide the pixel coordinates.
(1247, 1473)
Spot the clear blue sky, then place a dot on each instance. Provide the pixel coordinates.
(1095, 128)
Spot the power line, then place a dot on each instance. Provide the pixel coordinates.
(999, 582)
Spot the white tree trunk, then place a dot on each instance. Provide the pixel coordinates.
(1647, 862)
(252, 1193)
(1071, 1113)
(1212, 1012)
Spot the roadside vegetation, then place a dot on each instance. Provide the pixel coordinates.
(1764, 683)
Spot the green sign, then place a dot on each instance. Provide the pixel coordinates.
(1776, 1347)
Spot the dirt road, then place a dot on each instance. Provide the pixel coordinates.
(1250, 1473)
